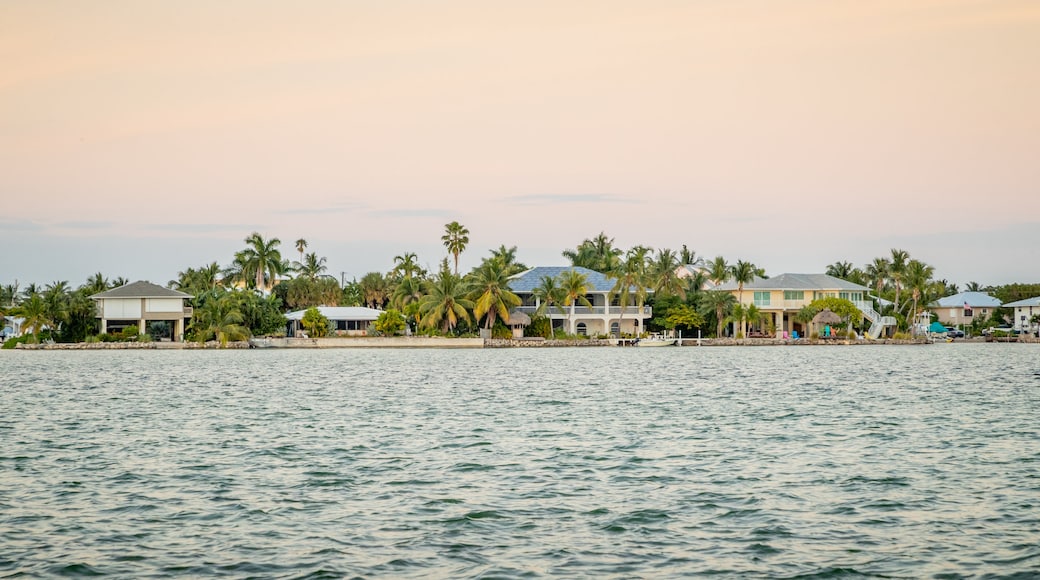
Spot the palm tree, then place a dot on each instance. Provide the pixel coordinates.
(455, 238)
(9, 295)
(407, 291)
(35, 315)
(719, 271)
(918, 280)
(743, 273)
(262, 260)
(507, 258)
(841, 270)
(597, 254)
(630, 276)
(490, 293)
(312, 267)
(406, 265)
(574, 286)
(374, 289)
(719, 303)
(444, 304)
(301, 245)
(688, 256)
(877, 272)
(549, 295)
(56, 298)
(221, 318)
(897, 270)
(969, 287)
(96, 284)
(662, 274)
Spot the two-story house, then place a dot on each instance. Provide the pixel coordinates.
(139, 303)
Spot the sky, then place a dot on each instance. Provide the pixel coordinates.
(139, 138)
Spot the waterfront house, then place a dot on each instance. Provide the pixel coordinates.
(781, 297)
(964, 308)
(606, 315)
(140, 303)
(1025, 310)
(346, 320)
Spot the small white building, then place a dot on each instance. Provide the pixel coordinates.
(139, 303)
(347, 320)
(1025, 310)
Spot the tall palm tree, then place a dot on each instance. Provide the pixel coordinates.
(664, 280)
(743, 273)
(574, 286)
(507, 257)
(406, 265)
(549, 295)
(490, 293)
(301, 245)
(631, 278)
(688, 256)
(719, 271)
(718, 303)
(897, 270)
(312, 267)
(445, 304)
(973, 286)
(597, 254)
(877, 273)
(262, 260)
(96, 284)
(56, 298)
(919, 281)
(455, 239)
(407, 291)
(9, 295)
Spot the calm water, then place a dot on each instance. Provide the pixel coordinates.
(785, 462)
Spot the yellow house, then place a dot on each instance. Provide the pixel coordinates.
(781, 297)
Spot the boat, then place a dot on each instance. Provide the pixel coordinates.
(657, 340)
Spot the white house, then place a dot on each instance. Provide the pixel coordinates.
(606, 315)
(347, 320)
(962, 309)
(1025, 310)
(139, 303)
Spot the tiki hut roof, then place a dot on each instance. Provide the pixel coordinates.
(517, 318)
(826, 317)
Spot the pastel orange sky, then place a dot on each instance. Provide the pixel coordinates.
(789, 133)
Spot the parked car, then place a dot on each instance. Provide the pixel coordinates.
(954, 332)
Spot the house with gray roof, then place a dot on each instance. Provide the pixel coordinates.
(1025, 311)
(139, 303)
(605, 316)
(781, 297)
(964, 308)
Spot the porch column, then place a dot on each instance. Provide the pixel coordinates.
(178, 330)
(104, 326)
(140, 326)
(778, 325)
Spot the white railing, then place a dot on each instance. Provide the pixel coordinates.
(585, 310)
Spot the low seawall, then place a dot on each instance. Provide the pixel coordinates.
(368, 342)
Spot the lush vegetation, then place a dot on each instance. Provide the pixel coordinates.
(249, 296)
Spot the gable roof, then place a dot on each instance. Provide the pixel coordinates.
(973, 299)
(340, 313)
(1035, 301)
(797, 282)
(531, 279)
(140, 289)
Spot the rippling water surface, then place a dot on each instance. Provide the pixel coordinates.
(739, 462)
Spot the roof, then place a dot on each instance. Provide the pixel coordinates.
(972, 299)
(340, 313)
(1035, 301)
(827, 316)
(140, 289)
(531, 279)
(517, 318)
(797, 282)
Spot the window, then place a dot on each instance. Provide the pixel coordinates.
(968, 314)
(794, 295)
(761, 298)
(582, 329)
(615, 329)
(854, 296)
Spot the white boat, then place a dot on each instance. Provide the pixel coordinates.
(657, 340)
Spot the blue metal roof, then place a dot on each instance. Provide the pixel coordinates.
(531, 279)
(797, 282)
(972, 299)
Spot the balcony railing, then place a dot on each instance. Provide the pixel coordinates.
(585, 310)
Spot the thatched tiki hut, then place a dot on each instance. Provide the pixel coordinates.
(517, 322)
(824, 319)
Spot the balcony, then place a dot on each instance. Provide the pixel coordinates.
(564, 311)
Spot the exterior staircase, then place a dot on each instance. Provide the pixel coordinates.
(878, 323)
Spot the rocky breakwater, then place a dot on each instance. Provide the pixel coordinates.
(544, 343)
(131, 346)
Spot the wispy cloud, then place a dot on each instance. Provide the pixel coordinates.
(85, 225)
(420, 212)
(9, 225)
(569, 198)
(203, 228)
(332, 209)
